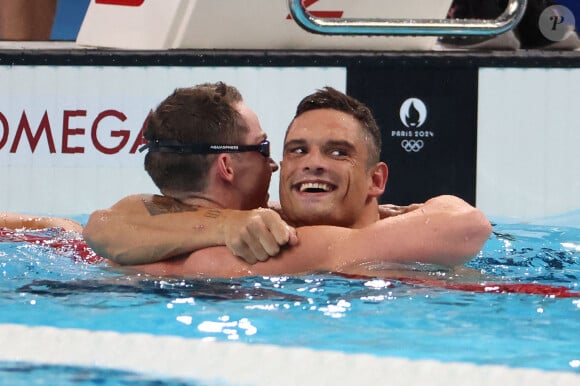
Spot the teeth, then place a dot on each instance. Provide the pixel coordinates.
(315, 186)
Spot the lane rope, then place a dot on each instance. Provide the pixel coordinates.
(82, 252)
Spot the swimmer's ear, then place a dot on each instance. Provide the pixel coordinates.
(225, 167)
(379, 174)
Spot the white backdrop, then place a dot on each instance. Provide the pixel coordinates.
(528, 163)
(528, 132)
(105, 100)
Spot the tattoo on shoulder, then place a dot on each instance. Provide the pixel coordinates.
(163, 205)
(213, 213)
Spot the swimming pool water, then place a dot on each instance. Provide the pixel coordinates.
(41, 286)
(25, 374)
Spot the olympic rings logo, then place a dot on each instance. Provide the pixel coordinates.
(411, 145)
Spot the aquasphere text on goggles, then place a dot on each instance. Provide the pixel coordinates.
(172, 146)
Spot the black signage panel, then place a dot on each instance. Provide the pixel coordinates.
(428, 117)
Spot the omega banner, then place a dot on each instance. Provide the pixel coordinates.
(428, 118)
(69, 135)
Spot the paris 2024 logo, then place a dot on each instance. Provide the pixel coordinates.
(413, 115)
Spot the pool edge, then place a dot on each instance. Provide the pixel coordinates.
(241, 363)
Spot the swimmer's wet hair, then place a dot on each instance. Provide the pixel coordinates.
(205, 113)
(330, 98)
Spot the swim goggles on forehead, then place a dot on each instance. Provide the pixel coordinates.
(172, 146)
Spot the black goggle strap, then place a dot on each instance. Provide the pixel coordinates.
(172, 146)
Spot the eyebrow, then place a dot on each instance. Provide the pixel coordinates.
(342, 143)
(331, 143)
(294, 142)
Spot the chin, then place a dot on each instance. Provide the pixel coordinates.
(312, 218)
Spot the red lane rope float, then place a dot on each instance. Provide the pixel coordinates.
(81, 252)
(520, 288)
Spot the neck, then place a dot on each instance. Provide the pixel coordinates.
(368, 216)
(197, 199)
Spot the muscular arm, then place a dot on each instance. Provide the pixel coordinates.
(15, 220)
(145, 228)
(444, 231)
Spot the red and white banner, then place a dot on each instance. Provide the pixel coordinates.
(69, 135)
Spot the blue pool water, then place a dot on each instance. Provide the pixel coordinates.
(24, 374)
(40, 286)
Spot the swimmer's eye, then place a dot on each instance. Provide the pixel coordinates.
(339, 153)
(296, 150)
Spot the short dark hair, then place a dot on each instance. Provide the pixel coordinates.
(205, 113)
(330, 98)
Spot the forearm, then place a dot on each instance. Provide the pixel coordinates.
(445, 231)
(139, 238)
(14, 221)
(461, 229)
(142, 229)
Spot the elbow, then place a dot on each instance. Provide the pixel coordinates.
(476, 232)
(96, 234)
(117, 244)
(107, 251)
(92, 233)
(480, 230)
(122, 258)
(469, 230)
(472, 222)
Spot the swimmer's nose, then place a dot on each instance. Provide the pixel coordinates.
(315, 161)
(273, 165)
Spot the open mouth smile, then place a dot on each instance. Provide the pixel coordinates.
(314, 187)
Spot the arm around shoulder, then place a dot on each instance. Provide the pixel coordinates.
(142, 229)
(445, 230)
(129, 232)
(452, 230)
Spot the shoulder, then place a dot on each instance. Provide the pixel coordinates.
(154, 204)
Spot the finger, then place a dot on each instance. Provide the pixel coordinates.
(293, 239)
(280, 231)
(240, 248)
(269, 232)
(257, 248)
(261, 242)
(252, 239)
(245, 254)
